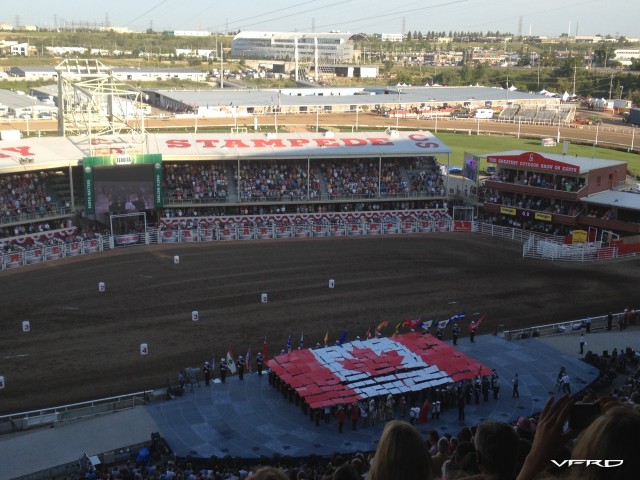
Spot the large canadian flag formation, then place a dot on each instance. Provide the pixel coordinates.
(369, 368)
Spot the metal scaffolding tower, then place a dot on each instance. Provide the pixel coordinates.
(92, 102)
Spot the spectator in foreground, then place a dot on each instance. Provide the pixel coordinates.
(268, 473)
(611, 436)
(401, 454)
(496, 450)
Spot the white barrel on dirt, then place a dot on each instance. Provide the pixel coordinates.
(195, 316)
(101, 287)
(176, 259)
(26, 326)
(144, 349)
(332, 283)
(1, 382)
(264, 298)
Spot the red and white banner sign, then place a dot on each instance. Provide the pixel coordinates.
(369, 368)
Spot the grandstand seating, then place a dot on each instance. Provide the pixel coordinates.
(526, 115)
(196, 182)
(26, 199)
(274, 182)
(546, 117)
(509, 113)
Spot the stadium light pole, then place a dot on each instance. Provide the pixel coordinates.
(398, 112)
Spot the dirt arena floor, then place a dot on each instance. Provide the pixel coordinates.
(85, 345)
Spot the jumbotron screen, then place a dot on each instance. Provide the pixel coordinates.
(123, 188)
(121, 184)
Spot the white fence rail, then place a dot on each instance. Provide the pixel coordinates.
(38, 418)
(210, 229)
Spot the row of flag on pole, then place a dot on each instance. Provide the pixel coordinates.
(412, 324)
(248, 359)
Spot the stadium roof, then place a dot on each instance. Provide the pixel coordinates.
(15, 100)
(613, 198)
(116, 70)
(349, 96)
(584, 164)
(54, 152)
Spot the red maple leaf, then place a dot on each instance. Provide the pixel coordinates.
(366, 361)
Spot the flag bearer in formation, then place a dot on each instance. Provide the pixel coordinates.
(223, 369)
(240, 365)
(456, 332)
(486, 386)
(206, 369)
(259, 363)
(495, 385)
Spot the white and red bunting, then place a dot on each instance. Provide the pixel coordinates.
(369, 368)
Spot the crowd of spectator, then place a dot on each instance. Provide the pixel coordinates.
(196, 182)
(541, 180)
(24, 193)
(425, 177)
(276, 181)
(208, 182)
(492, 450)
(530, 202)
(31, 228)
(546, 228)
(352, 178)
(245, 210)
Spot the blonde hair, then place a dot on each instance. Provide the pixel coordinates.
(611, 436)
(401, 454)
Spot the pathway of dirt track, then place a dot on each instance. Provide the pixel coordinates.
(85, 344)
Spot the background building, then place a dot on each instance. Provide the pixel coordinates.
(328, 47)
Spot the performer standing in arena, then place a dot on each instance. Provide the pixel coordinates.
(223, 369)
(456, 332)
(240, 365)
(206, 369)
(259, 363)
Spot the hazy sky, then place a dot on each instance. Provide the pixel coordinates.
(539, 17)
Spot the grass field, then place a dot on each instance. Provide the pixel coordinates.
(460, 143)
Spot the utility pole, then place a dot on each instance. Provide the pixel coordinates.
(575, 68)
(221, 64)
(610, 85)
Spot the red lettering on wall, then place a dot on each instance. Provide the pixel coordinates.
(178, 143)
(327, 142)
(207, 142)
(273, 142)
(418, 137)
(380, 141)
(235, 143)
(298, 142)
(113, 150)
(354, 142)
(24, 151)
